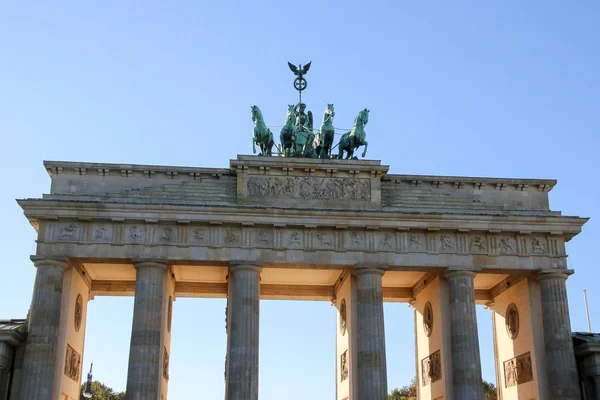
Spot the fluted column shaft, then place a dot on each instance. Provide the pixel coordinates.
(372, 367)
(243, 327)
(466, 360)
(144, 373)
(563, 379)
(40, 362)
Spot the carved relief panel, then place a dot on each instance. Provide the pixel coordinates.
(308, 188)
(102, 233)
(72, 364)
(78, 312)
(431, 368)
(518, 370)
(344, 366)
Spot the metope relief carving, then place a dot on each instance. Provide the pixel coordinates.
(477, 243)
(416, 242)
(69, 232)
(263, 238)
(101, 234)
(72, 363)
(166, 235)
(199, 235)
(447, 243)
(431, 368)
(135, 234)
(511, 320)
(78, 312)
(357, 239)
(506, 245)
(538, 246)
(309, 188)
(324, 239)
(518, 370)
(387, 242)
(231, 236)
(293, 239)
(344, 366)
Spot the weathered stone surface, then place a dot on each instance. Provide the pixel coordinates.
(466, 360)
(560, 356)
(243, 317)
(40, 363)
(149, 319)
(372, 366)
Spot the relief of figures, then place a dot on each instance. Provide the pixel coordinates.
(344, 365)
(447, 244)
(68, 232)
(537, 246)
(72, 364)
(309, 188)
(431, 368)
(477, 243)
(506, 245)
(166, 235)
(518, 370)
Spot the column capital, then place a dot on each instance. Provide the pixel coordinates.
(456, 272)
(41, 262)
(377, 269)
(239, 265)
(561, 274)
(140, 263)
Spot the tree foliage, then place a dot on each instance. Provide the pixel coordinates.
(102, 392)
(410, 392)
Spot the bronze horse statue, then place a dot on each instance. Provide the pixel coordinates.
(261, 134)
(356, 137)
(288, 133)
(324, 138)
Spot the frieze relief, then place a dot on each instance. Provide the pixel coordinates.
(308, 238)
(518, 370)
(309, 188)
(72, 363)
(431, 368)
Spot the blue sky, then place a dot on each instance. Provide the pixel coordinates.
(479, 88)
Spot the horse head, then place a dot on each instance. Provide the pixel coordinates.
(329, 111)
(291, 113)
(256, 114)
(362, 118)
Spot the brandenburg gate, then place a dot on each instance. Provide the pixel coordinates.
(344, 231)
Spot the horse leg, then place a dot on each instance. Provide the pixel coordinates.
(253, 145)
(365, 151)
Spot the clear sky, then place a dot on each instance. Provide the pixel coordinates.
(476, 88)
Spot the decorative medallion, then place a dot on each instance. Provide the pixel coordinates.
(512, 321)
(170, 314)
(78, 312)
(343, 317)
(428, 319)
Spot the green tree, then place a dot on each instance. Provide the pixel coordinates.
(102, 392)
(410, 392)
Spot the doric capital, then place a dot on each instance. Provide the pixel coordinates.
(364, 269)
(240, 265)
(561, 274)
(452, 273)
(42, 262)
(162, 264)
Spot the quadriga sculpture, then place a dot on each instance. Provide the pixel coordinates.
(324, 139)
(262, 135)
(356, 137)
(288, 133)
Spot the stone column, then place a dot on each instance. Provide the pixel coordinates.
(372, 368)
(561, 367)
(145, 371)
(241, 375)
(41, 361)
(6, 362)
(464, 341)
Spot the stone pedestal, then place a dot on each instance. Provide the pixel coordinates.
(466, 360)
(561, 367)
(372, 368)
(241, 374)
(41, 362)
(147, 354)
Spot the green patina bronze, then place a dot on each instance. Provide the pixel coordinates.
(297, 137)
(356, 137)
(262, 135)
(324, 138)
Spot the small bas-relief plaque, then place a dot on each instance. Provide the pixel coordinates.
(344, 366)
(518, 370)
(170, 314)
(72, 363)
(431, 368)
(309, 188)
(78, 312)
(166, 364)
